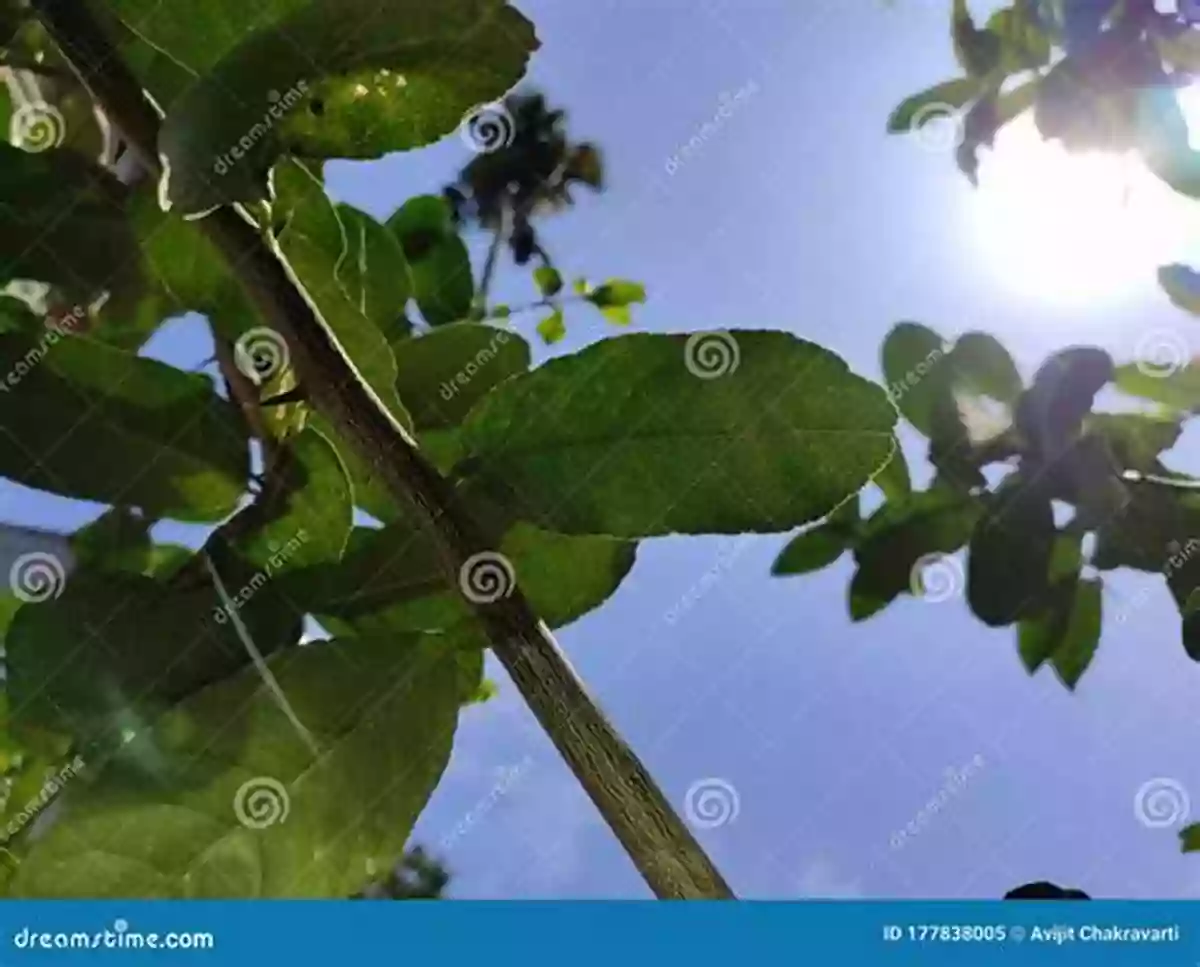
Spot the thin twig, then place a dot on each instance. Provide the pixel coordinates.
(656, 839)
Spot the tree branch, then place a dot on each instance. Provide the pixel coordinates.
(660, 845)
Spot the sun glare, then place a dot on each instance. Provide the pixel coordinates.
(1078, 229)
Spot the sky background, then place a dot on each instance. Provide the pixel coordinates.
(797, 212)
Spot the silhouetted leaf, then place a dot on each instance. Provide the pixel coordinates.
(1182, 286)
(1043, 890)
(903, 536)
(253, 806)
(981, 364)
(821, 545)
(438, 263)
(598, 460)
(920, 108)
(1081, 635)
(1009, 557)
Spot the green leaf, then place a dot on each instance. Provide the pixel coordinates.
(553, 328)
(1081, 636)
(893, 480)
(900, 539)
(1009, 559)
(438, 262)
(930, 104)
(61, 222)
(617, 293)
(1189, 838)
(118, 540)
(1177, 389)
(111, 642)
(253, 807)
(309, 79)
(445, 372)
(978, 51)
(88, 421)
(811, 551)
(548, 280)
(392, 580)
(1182, 286)
(576, 446)
(911, 356)
(1135, 440)
(982, 365)
(306, 522)
(333, 264)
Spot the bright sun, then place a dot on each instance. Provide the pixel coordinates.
(1078, 229)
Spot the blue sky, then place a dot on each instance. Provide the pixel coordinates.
(796, 212)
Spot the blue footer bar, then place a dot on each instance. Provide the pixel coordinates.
(582, 934)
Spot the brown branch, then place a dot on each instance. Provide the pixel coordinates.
(660, 845)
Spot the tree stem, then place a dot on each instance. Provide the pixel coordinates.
(659, 844)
